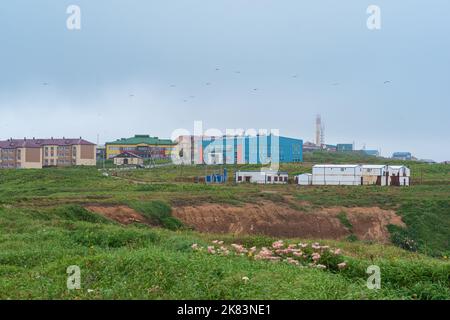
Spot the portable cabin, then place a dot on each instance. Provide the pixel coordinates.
(337, 174)
(128, 159)
(262, 177)
(398, 176)
(304, 179)
(374, 174)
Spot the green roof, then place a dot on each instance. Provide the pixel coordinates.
(143, 139)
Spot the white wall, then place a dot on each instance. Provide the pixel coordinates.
(304, 179)
(336, 175)
(260, 177)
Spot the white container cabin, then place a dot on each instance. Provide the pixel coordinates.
(399, 175)
(337, 174)
(375, 174)
(261, 177)
(304, 179)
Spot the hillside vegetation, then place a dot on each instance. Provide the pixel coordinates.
(45, 228)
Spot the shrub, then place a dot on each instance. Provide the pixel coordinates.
(159, 212)
(113, 237)
(342, 216)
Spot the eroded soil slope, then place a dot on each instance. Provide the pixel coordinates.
(280, 220)
(273, 219)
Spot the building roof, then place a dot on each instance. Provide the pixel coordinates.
(397, 167)
(336, 165)
(127, 154)
(265, 171)
(142, 139)
(373, 166)
(38, 143)
(401, 154)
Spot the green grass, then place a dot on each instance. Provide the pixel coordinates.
(44, 229)
(342, 216)
(137, 262)
(159, 212)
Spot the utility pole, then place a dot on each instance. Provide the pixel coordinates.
(103, 156)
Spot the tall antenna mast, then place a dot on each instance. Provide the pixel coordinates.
(318, 130)
(322, 134)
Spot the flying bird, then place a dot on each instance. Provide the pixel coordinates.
(208, 83)
(336, 84)
(45, 83)
(387, 81)
(172, 86)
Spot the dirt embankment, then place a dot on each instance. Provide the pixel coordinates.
(273, 219)
(280, 220)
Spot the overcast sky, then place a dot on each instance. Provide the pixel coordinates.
(146, 66)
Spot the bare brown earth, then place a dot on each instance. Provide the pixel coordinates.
(270, 218)
(280, 220)
(122, 214)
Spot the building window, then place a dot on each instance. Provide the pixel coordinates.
(19, 154)
(239, 178)
(275, 179)
(269, 178)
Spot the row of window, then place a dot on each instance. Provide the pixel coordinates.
(269, 179)
(9, 165)
(276, 179)
(8, 154)
(52, 162)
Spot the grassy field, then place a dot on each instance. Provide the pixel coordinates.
(45, 229)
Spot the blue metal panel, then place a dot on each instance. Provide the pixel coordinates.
(256, 149)
(291, 150)
(344, 147)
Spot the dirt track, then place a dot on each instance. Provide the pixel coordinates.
(280, 220)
